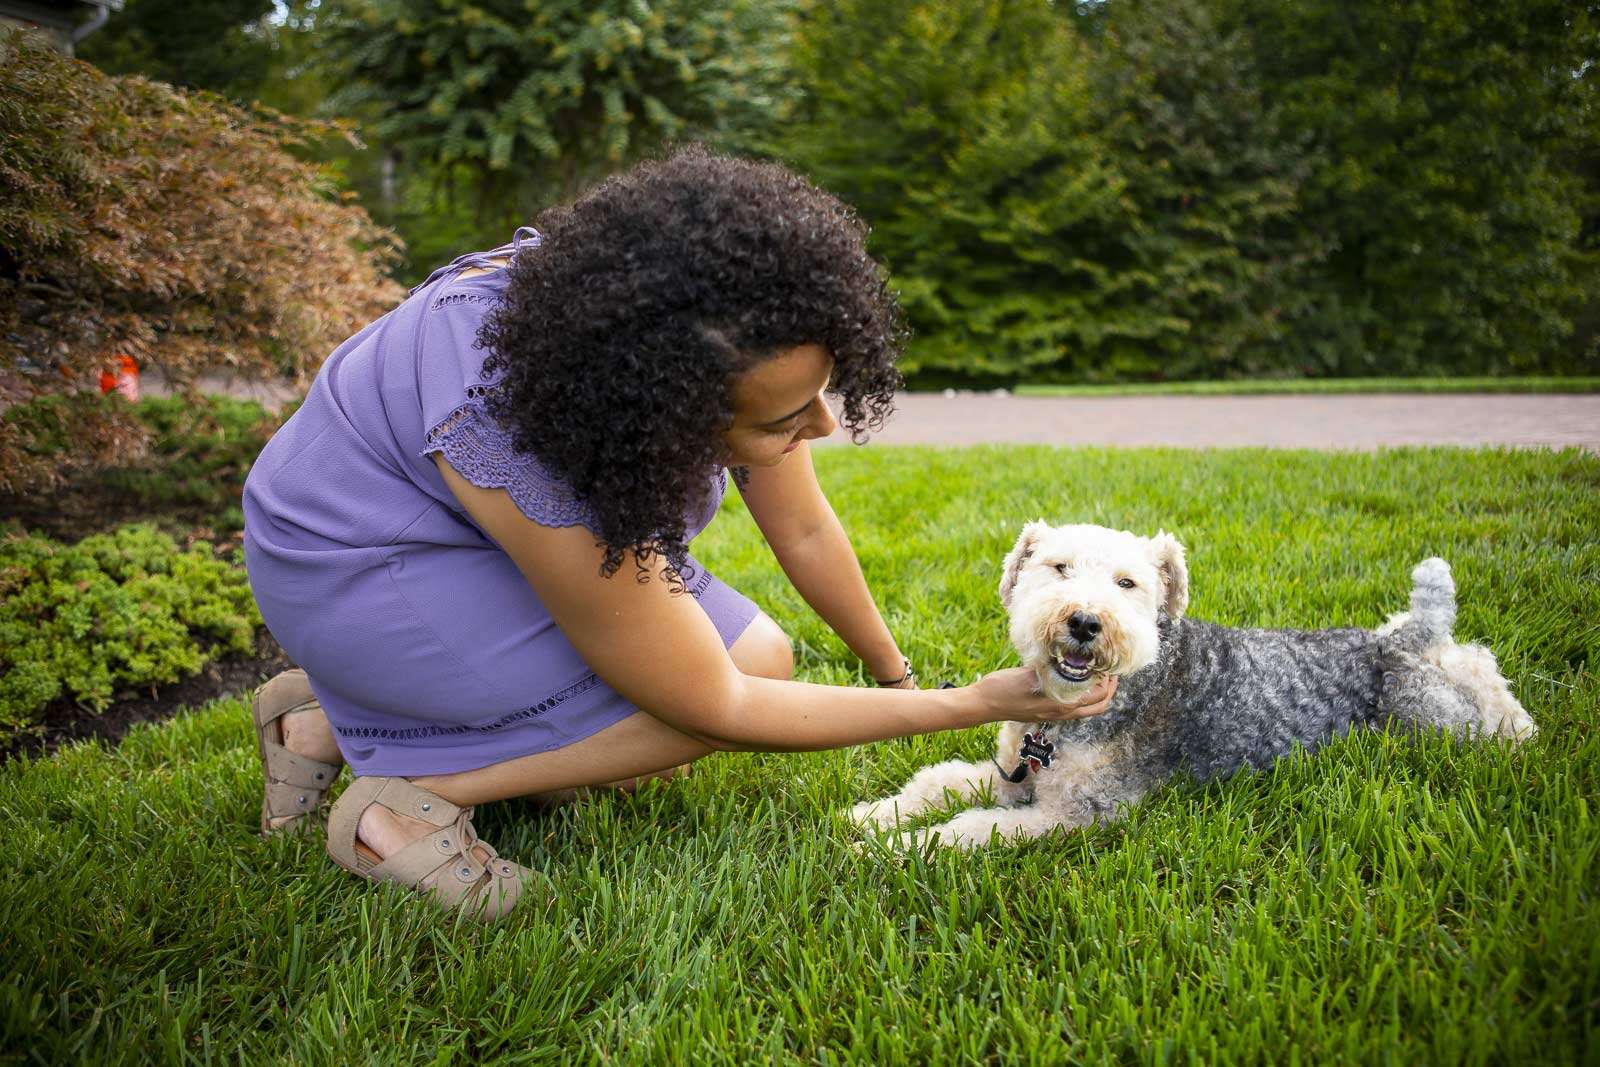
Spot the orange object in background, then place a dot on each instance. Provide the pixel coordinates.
(125, 379)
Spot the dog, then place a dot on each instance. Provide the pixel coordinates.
(1192, 696)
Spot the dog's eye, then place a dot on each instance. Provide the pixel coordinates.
(1063, 570)
(1126, 583)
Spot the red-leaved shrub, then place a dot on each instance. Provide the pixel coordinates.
(170, 226)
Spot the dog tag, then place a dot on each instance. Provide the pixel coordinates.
(1037, 751)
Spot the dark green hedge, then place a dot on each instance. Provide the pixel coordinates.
(1153, 189)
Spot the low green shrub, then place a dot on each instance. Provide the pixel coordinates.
(128, 608)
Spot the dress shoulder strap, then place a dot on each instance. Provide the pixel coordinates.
(525, 237)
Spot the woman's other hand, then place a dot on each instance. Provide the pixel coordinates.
(1013, 694)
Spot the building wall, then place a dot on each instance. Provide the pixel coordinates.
(59, 35)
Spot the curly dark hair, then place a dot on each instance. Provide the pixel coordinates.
(621, 334)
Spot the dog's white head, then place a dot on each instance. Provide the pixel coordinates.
(1086, 600)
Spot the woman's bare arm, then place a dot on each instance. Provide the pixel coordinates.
(811, 546)
(661, 653)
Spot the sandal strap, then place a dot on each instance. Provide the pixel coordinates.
(435, 858)
(292, 683)
(403, 798)
(295, 769)
(284, 798)
(396, 794)
(275, 714)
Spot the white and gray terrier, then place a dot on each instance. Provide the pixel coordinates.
(1192, 696)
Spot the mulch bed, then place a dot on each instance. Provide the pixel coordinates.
(80, 508)
(66, 721)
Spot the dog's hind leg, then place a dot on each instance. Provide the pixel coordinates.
(1418, 694)
(1472, 669)
(930, 787)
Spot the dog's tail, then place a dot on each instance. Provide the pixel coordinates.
(1432, 618)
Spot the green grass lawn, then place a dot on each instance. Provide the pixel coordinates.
(1257, 387)
(1384, 900)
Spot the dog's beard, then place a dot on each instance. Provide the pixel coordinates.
(1066, 687)
(1066, 667)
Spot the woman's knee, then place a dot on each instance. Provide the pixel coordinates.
(764, 650)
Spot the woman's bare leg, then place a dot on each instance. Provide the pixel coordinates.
(621, 754)
(307, 733)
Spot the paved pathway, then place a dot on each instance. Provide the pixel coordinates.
(1353, 421)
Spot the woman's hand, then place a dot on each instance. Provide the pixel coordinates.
(1013, 694)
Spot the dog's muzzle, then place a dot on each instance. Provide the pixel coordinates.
(1075, 650)
(1075, 667)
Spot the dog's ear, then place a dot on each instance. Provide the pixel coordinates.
(1018, 556)
(1167, 554)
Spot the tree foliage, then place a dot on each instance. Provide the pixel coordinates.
(1443, 190)
(1212, 187)
(991, 200)
(170, 226)
(1051, 202)
(194, 44)
(1213, 180)
(547, 95)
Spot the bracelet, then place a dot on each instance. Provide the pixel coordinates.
(897, 681)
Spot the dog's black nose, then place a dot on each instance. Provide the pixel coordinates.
(1083, 626)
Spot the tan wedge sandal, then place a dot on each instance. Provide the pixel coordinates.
(293, 785)
(445, 864)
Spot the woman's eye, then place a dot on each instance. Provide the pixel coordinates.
(1126, 583)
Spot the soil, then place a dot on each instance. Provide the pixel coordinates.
(65, 720)
(83, 507)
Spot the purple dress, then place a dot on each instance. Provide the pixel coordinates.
(427, 648)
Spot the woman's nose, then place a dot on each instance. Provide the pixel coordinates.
(822, 421)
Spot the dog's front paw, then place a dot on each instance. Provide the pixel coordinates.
(872, 814)
(931, 839)
(1517, 725)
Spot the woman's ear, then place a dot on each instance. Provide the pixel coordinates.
(1018, 556)
(1167, 554)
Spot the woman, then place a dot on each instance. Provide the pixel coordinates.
(473, 535)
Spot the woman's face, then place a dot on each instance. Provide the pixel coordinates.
(777, 404)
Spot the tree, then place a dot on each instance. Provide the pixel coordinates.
(196, 44)
(170, 226)
(1214, 187)
(534, 100)
(962, 133)
(1444, 193)
(1215, 180)
(1055, 200)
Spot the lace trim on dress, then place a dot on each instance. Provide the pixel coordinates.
(481, 451)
